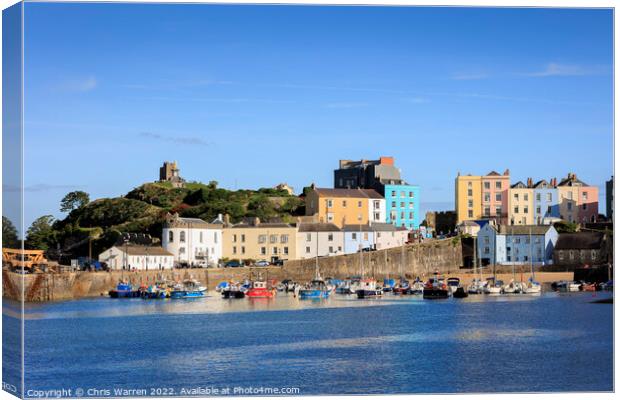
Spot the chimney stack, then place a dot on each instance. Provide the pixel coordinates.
(529, 182)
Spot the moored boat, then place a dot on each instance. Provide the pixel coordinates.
(316, 289)
(368, 288)
(234, 291)
(123, 290)
(460, 293)
(435, 288)
(189, 289)
(259, 290)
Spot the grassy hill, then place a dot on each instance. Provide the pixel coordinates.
(143, 210)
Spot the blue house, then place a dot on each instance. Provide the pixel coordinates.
(402, 205)
(356, 237)
(516, 244)
(546, 202)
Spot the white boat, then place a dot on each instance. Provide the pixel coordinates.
(532, 287)
(513, 287)
(566, 286)
(417, 287)
(475, 287)
(493, 286)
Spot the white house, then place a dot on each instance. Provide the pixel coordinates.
(193, 241)
(388, 236)
(376, 209)
(137, 257)
(326, 239)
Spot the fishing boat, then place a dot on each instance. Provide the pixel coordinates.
(417, 288)
(567, 286)
(259, 290)
(368, 288)
(156, 291)
(222, 286)
(435, 288)
(389, 284)
(189, 289)
(402, 287)
(123, 290)
(234, 291)
(316, 288)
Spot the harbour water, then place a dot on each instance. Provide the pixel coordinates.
(553, 342)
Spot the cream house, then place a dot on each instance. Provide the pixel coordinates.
(324, 239)
(137, 257)
(253, 240)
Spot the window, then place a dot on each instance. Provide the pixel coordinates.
(402, 215)
(569, 206)
(275, 250)
(470, 213)
(242, 238)
(486, 240)
(516, 196)
(517, 240)
(487, 197)
(487, 211)
(273, 239)
(234, 249)
(526, 197)
(393, 193)
(516, 209)
(242, 249)
(584, 206)
(283, 238)
(182, 237)
(170, 236)
(330, 237)
(308, 237)
(394, 204)
(331, 249)
(354, 236)
(584, 196)
(498, 197)
(498, 185)
(330, 217)
(234, 238)
(549, 197)
(548, 209)
(410, 205)
(344, 203)
(402, 194)
(470, 192)
(359, 204)
(537, 196)
(365, 235)
(307, 249)
(487, 250)
(561, 255)
(377, 216)
(526, 210)
(537, 210)
(286, 250)
(410, 194)
(402, 204)
(487, 185)
(470, 203)
(468, 184)
(201, 239)
(527, 240)
(377, 204)
(214, 237)
(498, 211)
(262, 238)
(329, 203)
(571, 255)
(410, 215)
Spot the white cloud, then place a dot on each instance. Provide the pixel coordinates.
(556, 69)
(79, 85)
(190, 140)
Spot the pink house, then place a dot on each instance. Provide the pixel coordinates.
(495, 196)
(587, 204)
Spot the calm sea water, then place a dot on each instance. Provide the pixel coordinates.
(555, 342)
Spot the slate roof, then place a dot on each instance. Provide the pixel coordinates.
(524, 229)
(580, 241)
(318, 227)
(349, 193)
(144, 250)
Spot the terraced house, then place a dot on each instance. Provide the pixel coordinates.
(255, 240)
(345, 206)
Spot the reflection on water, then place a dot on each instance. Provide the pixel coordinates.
(339, 345)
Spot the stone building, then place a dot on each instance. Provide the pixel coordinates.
(169, 172)
(581, 248)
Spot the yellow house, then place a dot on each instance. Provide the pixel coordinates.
(259, 241)
(341, 206)
(520, 205)
(468, 197)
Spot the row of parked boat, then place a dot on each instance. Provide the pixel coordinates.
(189, 288)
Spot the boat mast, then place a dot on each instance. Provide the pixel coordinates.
(316, 258)
(360, 250)
(531, 261)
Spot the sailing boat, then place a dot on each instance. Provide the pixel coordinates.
(367, 286)
(532, 287)
(316, 288)
(476, 286)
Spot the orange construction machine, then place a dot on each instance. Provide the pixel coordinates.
(27, 261)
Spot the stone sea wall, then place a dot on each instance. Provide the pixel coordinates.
(412, 260)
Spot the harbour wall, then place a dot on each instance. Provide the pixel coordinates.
(419, 259)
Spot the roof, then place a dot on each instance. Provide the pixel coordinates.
(571, 180)
(580, 240)
(541, 184)
(174, 221)
(261, 225)
(518, 185)
(349, 193)
(469, 223)
(318, 227)
(383, 227)
(133, 250)
(524, 229)
(357, 228)
(493, 173)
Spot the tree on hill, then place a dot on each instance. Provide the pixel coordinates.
(565, 227)
(40, 235)
(9, 234)
(74, 200)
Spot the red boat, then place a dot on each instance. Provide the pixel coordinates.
(259, 290)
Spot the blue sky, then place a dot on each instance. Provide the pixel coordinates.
(252, 96)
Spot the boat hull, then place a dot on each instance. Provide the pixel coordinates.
(258, 293)
(233, 294)
(364, 293)
(459, 293)
(435, 293)
(313, 294)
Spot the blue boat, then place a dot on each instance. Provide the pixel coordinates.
(189, 289)
(388, 284)
(123, 290)
(155, 292)
(316, 289)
